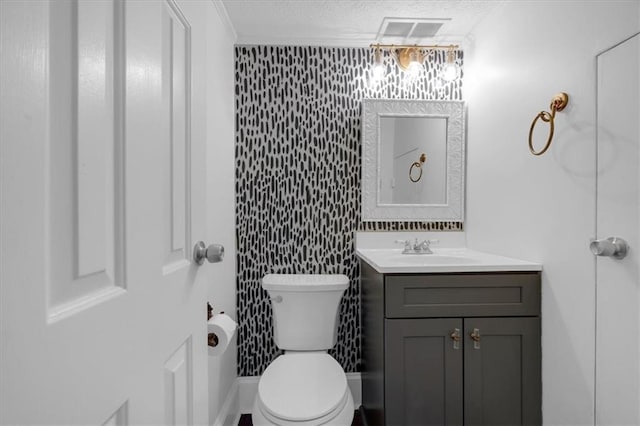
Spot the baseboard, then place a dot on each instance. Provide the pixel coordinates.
(248, 387)
(229, 414)
(354, 381)
(363, 416)
(247, 390)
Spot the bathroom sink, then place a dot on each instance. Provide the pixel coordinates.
(442, 260)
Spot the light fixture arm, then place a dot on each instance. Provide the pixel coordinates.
(377, 54)
(451, 55)
(414, 46)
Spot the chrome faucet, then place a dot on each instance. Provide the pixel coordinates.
(407, 246)
(423, 247)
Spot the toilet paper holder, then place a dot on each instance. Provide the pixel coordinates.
(212, 339)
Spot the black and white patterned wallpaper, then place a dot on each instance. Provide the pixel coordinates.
(298, 178)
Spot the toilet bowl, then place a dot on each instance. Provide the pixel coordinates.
(303, 389)
(305, 386)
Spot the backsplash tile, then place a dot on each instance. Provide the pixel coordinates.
(298, 179)
(410, 226)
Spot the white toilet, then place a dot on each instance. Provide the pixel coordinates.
(305, 386)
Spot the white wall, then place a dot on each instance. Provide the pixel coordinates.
(221, 201)
(543, 208)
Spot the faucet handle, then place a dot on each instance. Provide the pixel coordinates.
(424, 246)
(426, 242)
(407, 244)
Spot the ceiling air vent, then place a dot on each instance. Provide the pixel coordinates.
(398, 29)
(425, 29)
(405, 30)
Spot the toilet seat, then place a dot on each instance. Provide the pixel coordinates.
(324, 420)
(342, 418)
(302, 389)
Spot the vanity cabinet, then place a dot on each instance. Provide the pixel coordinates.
(451, 348)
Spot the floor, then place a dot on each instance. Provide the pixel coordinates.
(245, 420)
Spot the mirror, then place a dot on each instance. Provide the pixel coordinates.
(404, 163)
(413, 160)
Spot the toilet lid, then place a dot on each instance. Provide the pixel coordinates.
(303, 386)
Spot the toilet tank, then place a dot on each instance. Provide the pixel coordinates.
(305, 309)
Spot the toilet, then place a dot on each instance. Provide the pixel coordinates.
(305, 385)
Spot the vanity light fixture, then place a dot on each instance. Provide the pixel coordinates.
(411, 58)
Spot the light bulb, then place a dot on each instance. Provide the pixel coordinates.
(415, 67)
(450, 71)
(378, 71)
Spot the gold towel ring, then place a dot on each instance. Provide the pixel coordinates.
(558, 103)
(417, 164)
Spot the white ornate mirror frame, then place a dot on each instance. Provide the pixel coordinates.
(453, 208)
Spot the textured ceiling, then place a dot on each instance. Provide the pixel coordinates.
(347, 22)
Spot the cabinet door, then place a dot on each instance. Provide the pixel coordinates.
(502, 371)
(423, 372)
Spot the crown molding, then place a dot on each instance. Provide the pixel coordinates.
(354, 41)
(224, 17)
(305, 41)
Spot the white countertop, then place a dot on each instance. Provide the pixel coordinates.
(392, 261)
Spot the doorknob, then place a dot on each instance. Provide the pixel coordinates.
(612, 247)
(214, 253)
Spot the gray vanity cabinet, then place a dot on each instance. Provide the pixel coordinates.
(451, 349)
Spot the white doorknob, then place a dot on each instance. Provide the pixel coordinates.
(612, 247)
(214, 253)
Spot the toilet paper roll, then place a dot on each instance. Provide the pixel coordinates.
(223, 327)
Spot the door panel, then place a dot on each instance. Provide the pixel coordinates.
(177, 386)
(103, 312)
(85, 159)
(176, 41)
(424, 371)
(502, 376)
(618, 215)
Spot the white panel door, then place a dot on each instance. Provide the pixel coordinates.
(618, 215)
(102, 166)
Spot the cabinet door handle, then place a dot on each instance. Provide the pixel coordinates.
(455, 336)
(475, 336)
